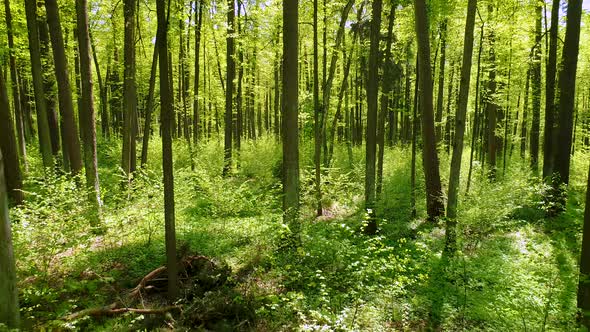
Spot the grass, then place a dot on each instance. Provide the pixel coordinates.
(516, 269)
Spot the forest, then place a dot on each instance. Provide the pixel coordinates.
(286, 165)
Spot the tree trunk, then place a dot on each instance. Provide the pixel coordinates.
(476, 116)
(536, 82)
(167, 166)
(49, 87)
(491, 104)
(196, 115)
(231, 71)
(36, 69)
(290, 112)
(371, 133)
(147, 130)
(567, 88)
(316, 113)
(434, 200)
(16, 96)
(387, 81)
(104, 113)
(128, 159)
(9, 147)
(441, 81)
(88, 128)
(584, 283)
(550, 134)
(525, 110)
(9, 310)
(71, 140)
(460, 117)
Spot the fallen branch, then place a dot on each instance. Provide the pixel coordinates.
(112, 310)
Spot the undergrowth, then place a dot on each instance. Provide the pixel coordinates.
(515, 270)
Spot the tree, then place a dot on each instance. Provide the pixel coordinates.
(491, 103)
(536, 86)
(229, 91)
(584, 283)
(371, 133)
(9, 311)
(87, 117)
(434, 202)
(441, 80)
(290, 106)
(316, 112)
(36, 70)
(149, 107)
(455, 172)
(167, 162)
(567, 88)
(8, 146)
(549, 135)
(16, 97)
(196, 115)
(71, 139)
(128, 161)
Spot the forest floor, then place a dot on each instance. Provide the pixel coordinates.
(516, 270)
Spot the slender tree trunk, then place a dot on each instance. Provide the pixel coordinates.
(434, 201)
(316, 113)
(414, 134)
(167, 166)
(16, 96)
(460, 117)
(104, 112)
(9, 310)
(523, 129)
(584, 283)
(147, 130)
(231, 70)
(491, 104)
(550, 134)
(196, 114)
(129, 91)
(88, 127)
(476, 116)
(8, 145)
(71, 140)
(536, 82)
(567, 88)
(290, 112)
(36, 69)
(49, 87)
(329, 76)
(372, 95)
(441, 81)
(387, 81)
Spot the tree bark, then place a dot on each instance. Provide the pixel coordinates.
(231, 71)
(567, 88)
(9, 310)
(147, 130)
(434, 200)
(290, 110)
(371, 133)
(550, 134)
(387, 81)
(9, 147)
(316, 113)
(536, 82)
(36, 69)
(87, 117)
(71, 140)
(16, 96)
(441, 81)
(196, 114)
(167, 161)
(128, 159)
(460, 117)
